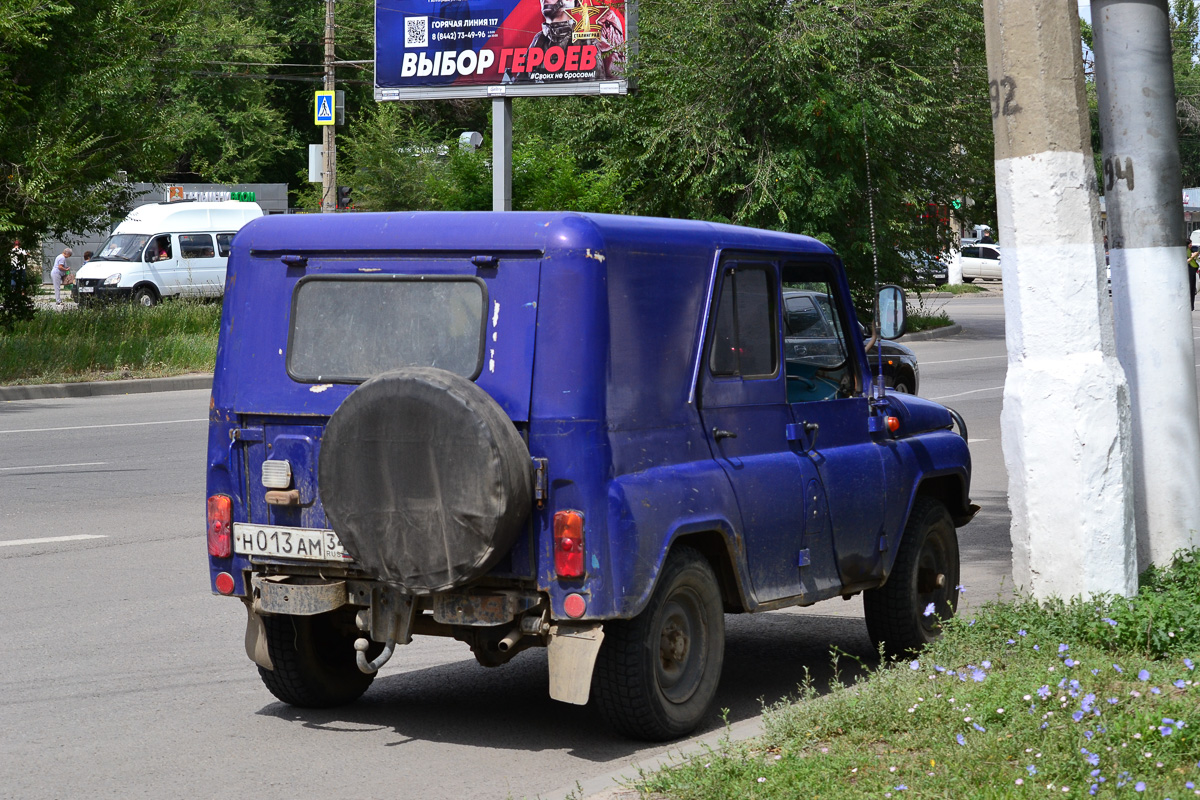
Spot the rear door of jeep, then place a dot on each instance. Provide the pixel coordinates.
(316, 325)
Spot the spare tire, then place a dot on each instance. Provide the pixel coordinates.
(424, 478)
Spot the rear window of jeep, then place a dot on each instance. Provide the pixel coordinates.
(348, 329)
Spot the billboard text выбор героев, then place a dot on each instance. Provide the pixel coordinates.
(457, 48)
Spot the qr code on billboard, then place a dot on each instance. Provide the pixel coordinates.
(416, 32)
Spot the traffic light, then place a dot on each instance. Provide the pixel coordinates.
(343, 197)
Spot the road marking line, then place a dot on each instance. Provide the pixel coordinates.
(964, 394)
(53, 466)
(957, 360)
(114, 425)
(51, 539)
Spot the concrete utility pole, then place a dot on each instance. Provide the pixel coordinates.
(1143, 188)
(1065, 423)
(329, 180)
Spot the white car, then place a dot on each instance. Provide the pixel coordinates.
(980, 261)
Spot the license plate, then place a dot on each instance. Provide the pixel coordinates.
(309, 544)
(86, 289)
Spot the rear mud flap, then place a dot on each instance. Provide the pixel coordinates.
(256, 640)
(572, 656)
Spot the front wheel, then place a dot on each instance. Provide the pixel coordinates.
(145, 297)
(968, 280)
(906, 613)
(656, 674)
(315, 661)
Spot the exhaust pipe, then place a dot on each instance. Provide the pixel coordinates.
(506, 644)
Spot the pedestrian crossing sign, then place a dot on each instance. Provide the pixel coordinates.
(323, 108)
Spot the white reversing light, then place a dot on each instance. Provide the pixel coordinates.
(276, 474)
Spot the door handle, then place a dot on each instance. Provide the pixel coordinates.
(719, 434)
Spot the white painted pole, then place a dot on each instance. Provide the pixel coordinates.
(1143, 188)
(1065, 424)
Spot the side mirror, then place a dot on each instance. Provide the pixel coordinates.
(893, 312)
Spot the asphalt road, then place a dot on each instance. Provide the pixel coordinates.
(122, 676)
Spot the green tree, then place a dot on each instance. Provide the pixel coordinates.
(78, 102)
(1185, 54)
(768, 113)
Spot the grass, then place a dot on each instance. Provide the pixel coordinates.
(921, 319)
(111, 342)
(1020, 700)
(960, 288)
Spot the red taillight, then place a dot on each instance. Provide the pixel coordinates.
(220, 531)
(568, 544)
(893, 424)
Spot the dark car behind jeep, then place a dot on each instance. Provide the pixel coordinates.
(580, 432)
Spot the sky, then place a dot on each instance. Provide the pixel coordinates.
(1085, 10)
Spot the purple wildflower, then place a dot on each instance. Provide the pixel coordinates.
(1031, 769)
(1118, 669)
(1062, 648)
(914, 665)
(1179, 684)
(959, 738)
(928, 610)
(1043, 692)
(978, 727)
(1022, 633)
(1140, 786)
(1155, 690)
(1087, 702)
(978, 675)
(1165, 730)
(986, 664)
(1035, 647)
(1078, 715)
(1143, 675)
(1112, 622)
(1070, 662)
(1187, 662)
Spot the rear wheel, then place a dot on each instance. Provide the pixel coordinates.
(657, 673)
(314, 658)
(968, 280)
(906, 613)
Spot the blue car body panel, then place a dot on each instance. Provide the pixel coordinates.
(594, 346)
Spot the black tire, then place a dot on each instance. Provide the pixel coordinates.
(926, 572)
(646, 692)
(902, 383)
(145, 296)
(968, 280)
(425, 479)
(314, 660)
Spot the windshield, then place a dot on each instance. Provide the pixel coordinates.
(122, 247)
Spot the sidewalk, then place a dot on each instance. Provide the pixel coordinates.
(43, 391)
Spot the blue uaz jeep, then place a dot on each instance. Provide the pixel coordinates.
(594, 434)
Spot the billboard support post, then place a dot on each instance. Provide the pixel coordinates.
(501, 154)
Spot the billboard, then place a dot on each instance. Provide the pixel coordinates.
(429, 49)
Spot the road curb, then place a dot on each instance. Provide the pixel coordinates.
(45, 391)
(935, 333)
(615, 785)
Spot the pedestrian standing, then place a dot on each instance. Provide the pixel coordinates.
(57, 273)
(1193, 263)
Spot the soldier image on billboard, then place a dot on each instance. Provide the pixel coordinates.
(567, 22)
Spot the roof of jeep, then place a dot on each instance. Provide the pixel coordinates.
(488, 231)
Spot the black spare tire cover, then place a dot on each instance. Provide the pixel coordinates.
(424, 478)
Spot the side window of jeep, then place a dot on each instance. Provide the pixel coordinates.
(817, 357)
(744, 338)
